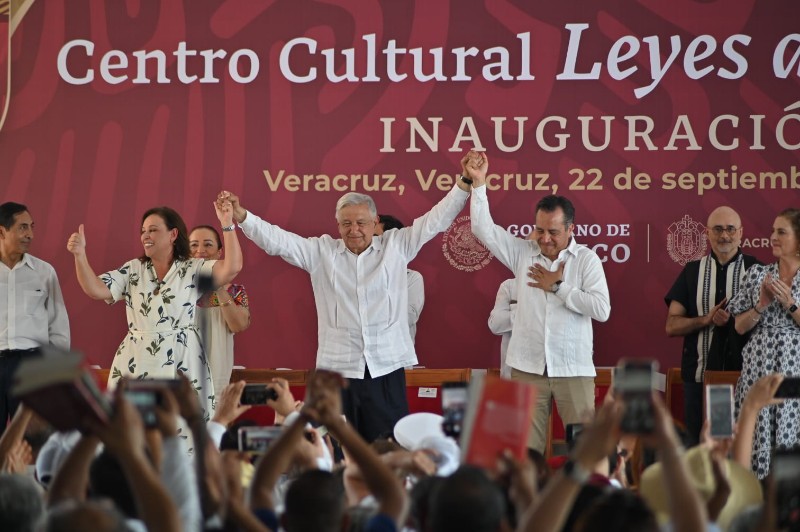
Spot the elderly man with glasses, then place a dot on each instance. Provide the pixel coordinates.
(697, 311)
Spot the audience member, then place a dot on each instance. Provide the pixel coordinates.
(222, 312)
(160, 290)
(767, 306)
(361, 293)
(697, 311)
(551, 343)
(36, 314)
(21, 504)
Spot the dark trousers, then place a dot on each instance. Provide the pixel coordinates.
(9, 361)
(693, 411)
(374, 405)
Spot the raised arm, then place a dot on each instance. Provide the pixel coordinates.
(92, 286)
(761, 394)
(227, 269)
(504, 246)
(71, 481)
(235, 313)
(124, 438)
(324, 402)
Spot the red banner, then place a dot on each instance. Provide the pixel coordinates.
(646, 114)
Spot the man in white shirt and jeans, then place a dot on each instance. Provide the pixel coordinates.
(361, 294)
(32, 311)
(551, 342)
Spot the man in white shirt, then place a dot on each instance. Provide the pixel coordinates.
(361, 293)
(501, 320)
(416, 285)
(551, 342)
(32, 311)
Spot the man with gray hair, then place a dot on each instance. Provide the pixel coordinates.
(361, 294)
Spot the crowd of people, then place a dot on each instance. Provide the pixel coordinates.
(332, 466)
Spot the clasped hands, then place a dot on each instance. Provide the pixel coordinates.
(774, 288)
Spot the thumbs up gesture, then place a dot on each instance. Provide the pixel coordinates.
(77, 242)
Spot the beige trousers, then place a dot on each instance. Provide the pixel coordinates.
(574, 398)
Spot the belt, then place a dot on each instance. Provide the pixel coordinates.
(12, 352)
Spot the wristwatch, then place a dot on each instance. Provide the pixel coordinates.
(556, 285)
(792, 309)
(465, 179)
(576, 473)
(229, 228)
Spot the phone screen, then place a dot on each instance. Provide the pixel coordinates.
(633, 381)
(719, 410)
(145, 402)
(454, 404)
(257, 439)
(789, 388)
(786, 474)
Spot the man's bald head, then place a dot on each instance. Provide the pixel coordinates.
(724, 231)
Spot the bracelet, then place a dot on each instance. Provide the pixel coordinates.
(757, 311)
(756, 319)
(229, 228)
(465, 179)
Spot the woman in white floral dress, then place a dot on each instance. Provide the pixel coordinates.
(160, 290)
(768, 305)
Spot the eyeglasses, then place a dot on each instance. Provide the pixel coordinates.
(718, 229)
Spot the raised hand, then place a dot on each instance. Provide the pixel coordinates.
(77, 242)
(239, 212)
(224, 209)
(474, 165)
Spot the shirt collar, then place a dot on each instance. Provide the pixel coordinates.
(26, 261)
(733, 259)
(572, 248)
(376, 244)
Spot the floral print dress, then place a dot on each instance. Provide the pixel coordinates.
(162, 336)
(773, 347)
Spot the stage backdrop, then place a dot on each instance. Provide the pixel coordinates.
(646, 114)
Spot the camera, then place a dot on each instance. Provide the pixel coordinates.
(789, 388)
(145, 394)
(146, 402)
(257, 440)
(786, 474)
(257, 394)
(633, 383)
(454, 404)
(719, 410)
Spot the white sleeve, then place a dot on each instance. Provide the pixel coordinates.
(294, 249)
(507, 248)
(178, 476)
(501, 319)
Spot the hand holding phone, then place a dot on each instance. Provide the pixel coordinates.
(257, 394)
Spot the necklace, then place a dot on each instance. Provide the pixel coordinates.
(155, 279)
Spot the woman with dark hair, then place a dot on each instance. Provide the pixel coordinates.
(160, 290)
(220, 313)
(768, 305)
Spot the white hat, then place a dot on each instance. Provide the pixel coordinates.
(423, 430)
(413, 428)
(53, 453)
(745, 488)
